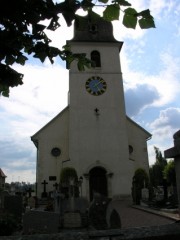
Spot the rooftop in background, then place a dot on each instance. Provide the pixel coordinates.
(2, 175)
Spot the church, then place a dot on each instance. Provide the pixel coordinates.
(93, 134)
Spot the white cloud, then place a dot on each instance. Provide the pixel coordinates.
(139, 97)
(44, 90)
(29, 107)
(168, 117)
(166, 83)
(160, 6)
(20, 175)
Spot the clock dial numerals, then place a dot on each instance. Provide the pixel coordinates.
(96, 86)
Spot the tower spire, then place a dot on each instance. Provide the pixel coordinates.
(93, 28)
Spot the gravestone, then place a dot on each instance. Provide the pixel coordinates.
(174, 152)
(98, 211)
(31, 202)
(159, 193)
(72, 217)
(57, 200)
(81, 205)
(115, 221)
(144, 196)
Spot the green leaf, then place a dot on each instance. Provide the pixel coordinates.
(4, 91)
(122, 2)
(111, 12)
(68, 9)
(10, 60)
(53, 24)
(146, 23)
(67, 47)
(38, 28)
(82, 61)
(41, 55)
(130, 18)
(21, 59)
(8, 78)
(87, 4)
(69, 60)
(145, 13)
(146, 20)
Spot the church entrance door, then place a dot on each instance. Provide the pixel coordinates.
(97, 181)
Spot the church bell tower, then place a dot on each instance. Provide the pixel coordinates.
(98, 141)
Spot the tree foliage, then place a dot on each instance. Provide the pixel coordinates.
(22, 31)
(156, 170)
(170, 173)
(140, 180)
(67, 174)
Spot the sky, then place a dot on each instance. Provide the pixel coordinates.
(150, 61)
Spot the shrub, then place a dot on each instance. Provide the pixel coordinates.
(140, 180)
(66, 175)
(7, 225)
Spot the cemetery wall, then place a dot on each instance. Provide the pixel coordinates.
(164, 232)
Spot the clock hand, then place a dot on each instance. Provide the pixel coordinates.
(96, 84)
(96, 87)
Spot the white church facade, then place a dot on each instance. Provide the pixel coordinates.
(93, 133)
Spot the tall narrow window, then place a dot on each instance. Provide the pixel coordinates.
(95, 57)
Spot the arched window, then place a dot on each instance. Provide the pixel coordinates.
(130, 149)
(95, 57)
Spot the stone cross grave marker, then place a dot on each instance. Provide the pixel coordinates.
(44, 193)
(29, 191)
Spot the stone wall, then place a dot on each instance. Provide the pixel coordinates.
(40, 222)
(164, 232)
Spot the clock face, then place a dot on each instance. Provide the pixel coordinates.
(96, 86)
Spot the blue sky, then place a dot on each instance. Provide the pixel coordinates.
(150, 61)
